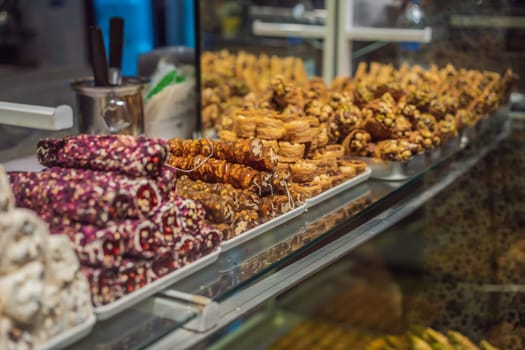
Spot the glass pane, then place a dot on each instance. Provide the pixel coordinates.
(455, 264)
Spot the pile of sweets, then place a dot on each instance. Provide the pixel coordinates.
(428, 338)
(237, 183)
(42, 290)
(300, 129)
(115, 198)
(381, 112)
(227, 78)
(407, 111)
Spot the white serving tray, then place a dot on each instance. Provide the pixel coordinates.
(70, 336)
(310, 202)
(258, 230)
(106, 311)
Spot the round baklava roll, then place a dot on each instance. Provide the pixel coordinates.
(303, 171)
(337, 151)
(300, 192)
(298, 131)
(358, 165)
(291, 150)
(244, 126)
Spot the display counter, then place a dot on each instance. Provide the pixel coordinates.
(439, 250)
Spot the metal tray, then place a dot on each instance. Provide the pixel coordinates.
(107, 311)
(258, 230)
(310, 202)
(70, 336)
(399, 171)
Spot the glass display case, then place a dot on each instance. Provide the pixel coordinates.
(427, 253)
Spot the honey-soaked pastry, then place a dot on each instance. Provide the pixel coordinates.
(227, 135)
(282, 203)
(218, 170)
(298, 131)
(347, 171)
(425, 121)
(424, 139)
(357, 143)
(313, 121)
(322, 138)
(300, 192)
(358, 165)
(465, 118)
(316, 89)
(271, 144)
(291, 150)
(245, 220)
(285, 94)
(219, 209)
(337, 151)
(303, 171)
(267, 209)
(348, 117)
(381, 119)
(245, 126)
(250, 152)
(447, 128)
(394, 150)
(323, 180)
(270, 129)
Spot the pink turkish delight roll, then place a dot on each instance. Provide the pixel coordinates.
(192, 214)
(168, 221)
(90, 197)
(130, 155)
(102, 284)
(106, 247)
(164, 263)
(211, 238)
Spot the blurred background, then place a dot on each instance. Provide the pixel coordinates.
(43, 43)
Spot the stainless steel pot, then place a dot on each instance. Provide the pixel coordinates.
(110, 109)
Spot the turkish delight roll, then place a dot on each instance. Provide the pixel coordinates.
(132, 275)
(163, 264)
(107, 246)
(102, 284)
(211, 238)
(130, 155)
(168, 222)
(191, 215)
(91, 197)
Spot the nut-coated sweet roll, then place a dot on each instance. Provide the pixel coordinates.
(250, 152)
(133, 156)
(245, 220)
(395, 150)
(219, 209)
(217, 170)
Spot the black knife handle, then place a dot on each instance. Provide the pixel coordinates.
(98, 57)
(116, 42)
